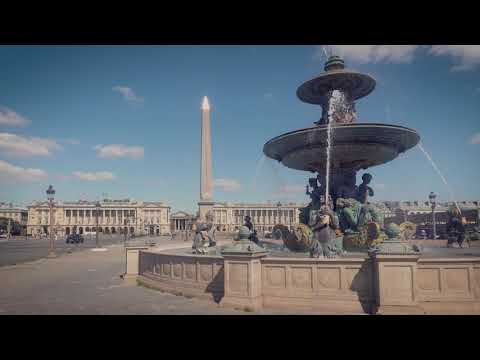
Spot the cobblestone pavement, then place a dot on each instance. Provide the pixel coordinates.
(87, 282)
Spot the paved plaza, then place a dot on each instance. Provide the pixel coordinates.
(88, 282)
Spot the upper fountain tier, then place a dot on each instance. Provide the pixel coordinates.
(354, 145)
(350, 85)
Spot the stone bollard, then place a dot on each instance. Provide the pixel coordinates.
(132, 263)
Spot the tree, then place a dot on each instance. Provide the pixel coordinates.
(15, 227)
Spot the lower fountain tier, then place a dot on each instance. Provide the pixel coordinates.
(354, 146)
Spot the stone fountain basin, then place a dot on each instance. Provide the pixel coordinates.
(439, 282)
(354, 146)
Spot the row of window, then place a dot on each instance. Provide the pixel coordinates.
(265, 220)
(13, 215)
(101, 213)
(263, 213)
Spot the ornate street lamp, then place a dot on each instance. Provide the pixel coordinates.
(433, 204)
(50, 197)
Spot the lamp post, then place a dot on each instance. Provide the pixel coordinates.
(125, 230)
(50, 196)
(97, 210)
(279, 204)
(9, 228)
(433, 203)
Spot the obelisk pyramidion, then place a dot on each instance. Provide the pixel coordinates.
(206, 195)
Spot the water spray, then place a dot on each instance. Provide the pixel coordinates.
(435, 167)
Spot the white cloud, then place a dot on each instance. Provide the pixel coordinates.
(268, 96)
(289, 190)
(61, 177)
(127, 93)
(94, 176)
(11, 174)
(71, 141)
(370, 53)
(468, 55)
(11, 118)
(119, 150)
(229, 185)
(18, 145)
(475, 139)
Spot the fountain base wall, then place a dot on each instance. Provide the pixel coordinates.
(386, 284)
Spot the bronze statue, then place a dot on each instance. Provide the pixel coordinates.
(253, 233)
(365, 191)
(315, 193)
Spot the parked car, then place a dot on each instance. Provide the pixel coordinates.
(74, 239)
(267, 234)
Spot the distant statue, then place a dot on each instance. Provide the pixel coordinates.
(253, 233)
(365, 191)
(204, 235)
(455, 228)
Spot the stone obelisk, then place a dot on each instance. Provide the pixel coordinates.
(206, 202)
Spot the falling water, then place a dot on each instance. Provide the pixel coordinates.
(429, 158)
(329, 143)
(324, 48)
(337, 100)
(259, 166)
(279, 181)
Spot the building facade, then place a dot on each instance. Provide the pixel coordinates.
(17, 214)
(181, 221)
(228, 217)
(112, 217)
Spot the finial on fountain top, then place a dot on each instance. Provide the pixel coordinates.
(334, 62)
(205, 104)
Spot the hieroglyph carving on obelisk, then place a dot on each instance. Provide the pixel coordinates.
(206, 161)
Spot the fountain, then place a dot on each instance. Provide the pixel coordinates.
(393, 277)
(336, 148)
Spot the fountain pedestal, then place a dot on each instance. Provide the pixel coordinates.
(243, 273)
(395, 280)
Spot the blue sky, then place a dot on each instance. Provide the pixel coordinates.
(125, 120)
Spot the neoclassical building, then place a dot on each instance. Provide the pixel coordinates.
(113, 216)
(228, 217)
(181, 220)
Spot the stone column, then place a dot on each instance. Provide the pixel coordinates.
(205, 204)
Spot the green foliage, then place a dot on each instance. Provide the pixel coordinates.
(15, 227)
